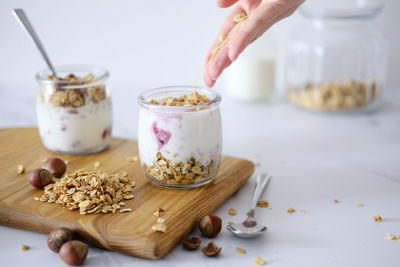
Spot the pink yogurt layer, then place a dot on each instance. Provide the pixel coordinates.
(162, 136)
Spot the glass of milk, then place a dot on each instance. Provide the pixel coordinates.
(179, 146)
(74, 111)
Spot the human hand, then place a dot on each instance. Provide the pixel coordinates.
(238, 31)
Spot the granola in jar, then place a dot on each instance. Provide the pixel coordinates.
(74, 110)
(180, 136)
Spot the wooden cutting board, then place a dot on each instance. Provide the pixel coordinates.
(129, 232)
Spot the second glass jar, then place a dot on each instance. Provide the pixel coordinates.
(74, 110)
(179, 146)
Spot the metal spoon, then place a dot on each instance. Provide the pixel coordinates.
(23, 19)
(249, 228)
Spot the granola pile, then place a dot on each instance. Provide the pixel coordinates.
(90, 191)
(172, 173)
(335, 95)
(191, 99)
(64, 97)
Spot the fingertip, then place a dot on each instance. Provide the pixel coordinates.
(207, 80)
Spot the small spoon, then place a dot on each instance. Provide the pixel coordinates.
(20, 15)
(249, 228)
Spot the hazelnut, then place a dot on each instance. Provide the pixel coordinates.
(211, 249)
(40, 178)
(58, 237)
(210, 225)
(56, 166)
(191, 243)
(73, 252)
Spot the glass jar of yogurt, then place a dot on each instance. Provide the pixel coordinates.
(180, 135)
(74, 111)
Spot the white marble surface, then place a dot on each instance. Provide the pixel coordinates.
(314, 159)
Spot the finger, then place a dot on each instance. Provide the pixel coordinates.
(225, 3)
(207, 80)
(221, 61)
(227, 26)
(258, 22)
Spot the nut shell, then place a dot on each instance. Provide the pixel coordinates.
(56, 166)
(58, 237)
(210, 225)
(211, 249)
(191, 243)
(39, 178)
(73, 252)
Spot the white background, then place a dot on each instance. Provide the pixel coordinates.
(314, 158)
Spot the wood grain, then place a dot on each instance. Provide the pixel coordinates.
(128, 233)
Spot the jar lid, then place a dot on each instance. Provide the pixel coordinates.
(341, 9)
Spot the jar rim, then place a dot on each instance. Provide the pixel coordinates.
(143, 98)
(100, 75)
(341, 9)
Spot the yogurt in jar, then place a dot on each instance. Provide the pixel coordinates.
(180, 136)
(74, 113)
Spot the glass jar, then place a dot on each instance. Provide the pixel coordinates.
(74, 110)
(336, 58)
(179, 146)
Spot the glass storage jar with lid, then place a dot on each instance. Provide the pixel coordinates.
(336, 58)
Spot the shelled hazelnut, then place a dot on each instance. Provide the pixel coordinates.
(56, 166)
(39, 178)
(58, 237)
(210, 225)
(73, 252)
(211, 249)
(191, 243)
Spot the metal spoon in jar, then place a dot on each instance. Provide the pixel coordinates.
(249, 228)
(23, 19)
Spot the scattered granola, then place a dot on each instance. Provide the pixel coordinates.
(132, 158)
(222, 37)
(230, 223)
(360, 205)
(20, 169)
(291, 210)
(174, 173)
(377, 218)
(336, 201)
(158, 212)
(89, 191)
(125, 210)
(129, 196)
(240, 250)
(398, 239)
(303, 211)
(391, 236)
(259, 261)
(332, 96)
(262, 203)
(24, 247)
(161, 220)
(159, 227)
(191, 99)
(239, 19)
(232, 211)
